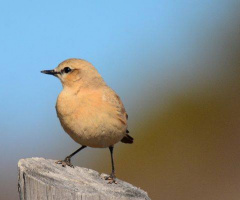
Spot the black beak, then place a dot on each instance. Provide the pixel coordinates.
(50, 72)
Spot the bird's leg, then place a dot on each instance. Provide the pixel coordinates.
(112, 177)
(67, 160)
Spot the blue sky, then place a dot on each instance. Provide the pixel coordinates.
(139, 47)
(132, 44)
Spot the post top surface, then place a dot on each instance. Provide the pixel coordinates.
(78, 179)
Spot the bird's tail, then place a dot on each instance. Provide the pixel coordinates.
(127, 139)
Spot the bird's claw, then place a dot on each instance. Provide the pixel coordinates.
(65, 162)
(111, 179)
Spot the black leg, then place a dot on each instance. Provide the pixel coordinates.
(112, 177)
(67, 160)
(113, 168)
(75, 152)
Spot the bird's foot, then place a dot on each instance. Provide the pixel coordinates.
(111, 179)
(65, 162)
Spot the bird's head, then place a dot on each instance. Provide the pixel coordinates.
(76, 73)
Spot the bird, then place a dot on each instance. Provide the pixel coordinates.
(90, 112)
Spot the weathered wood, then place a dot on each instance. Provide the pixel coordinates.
(41, 179)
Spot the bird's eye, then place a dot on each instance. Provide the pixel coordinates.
(67, 70)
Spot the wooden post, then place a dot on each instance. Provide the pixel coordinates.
(42, 179)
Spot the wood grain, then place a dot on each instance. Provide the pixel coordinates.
(42, 179)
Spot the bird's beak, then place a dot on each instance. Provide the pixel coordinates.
(50, 72)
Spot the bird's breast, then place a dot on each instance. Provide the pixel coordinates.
(89, 120)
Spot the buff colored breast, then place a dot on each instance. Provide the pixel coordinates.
(89, 119)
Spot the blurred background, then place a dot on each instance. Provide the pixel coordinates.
(176, 67)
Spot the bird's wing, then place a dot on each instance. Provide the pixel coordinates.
(114, 100)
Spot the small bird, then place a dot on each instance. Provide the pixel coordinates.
(89, 111)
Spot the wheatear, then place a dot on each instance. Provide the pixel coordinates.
(89, 111)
